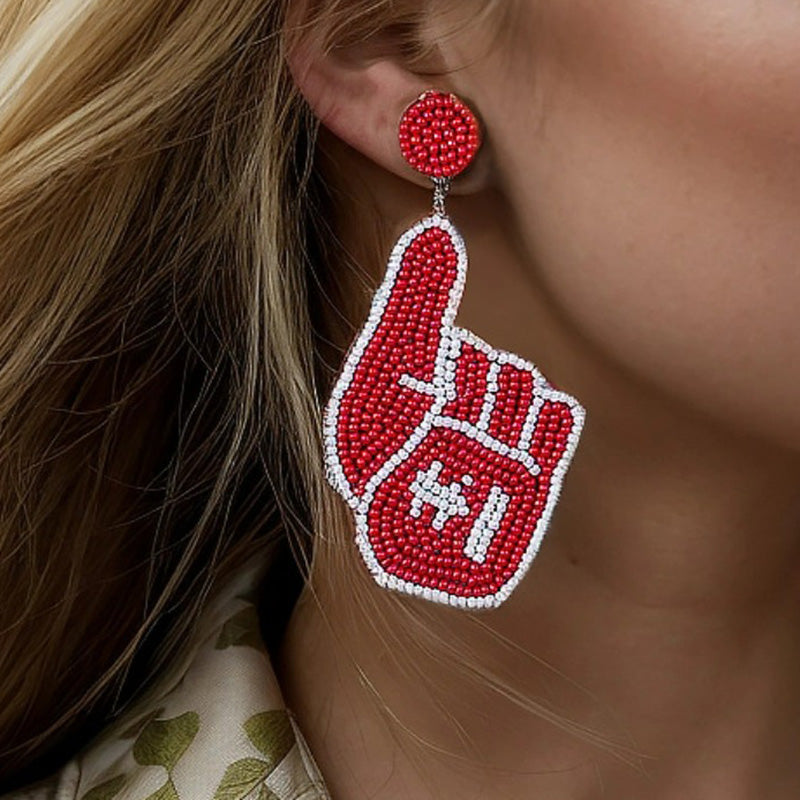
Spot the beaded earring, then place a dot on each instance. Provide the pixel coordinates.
(450, 453)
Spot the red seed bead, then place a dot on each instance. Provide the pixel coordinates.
(439, 135)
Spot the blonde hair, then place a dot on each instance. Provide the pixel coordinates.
(163, 256)
(157, 389)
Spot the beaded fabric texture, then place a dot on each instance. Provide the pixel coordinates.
(450, 453)
(439, 136)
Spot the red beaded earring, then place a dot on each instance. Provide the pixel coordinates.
(450, 453)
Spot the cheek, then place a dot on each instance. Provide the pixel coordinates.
(652, 151)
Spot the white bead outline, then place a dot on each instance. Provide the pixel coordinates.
(446, 358)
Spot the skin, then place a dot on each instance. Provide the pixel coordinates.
(632, 227)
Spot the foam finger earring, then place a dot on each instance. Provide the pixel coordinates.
(450, 453)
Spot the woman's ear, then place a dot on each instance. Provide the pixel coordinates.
(358, 85)
(358, 89)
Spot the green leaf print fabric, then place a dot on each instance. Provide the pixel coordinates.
(164, 741)
(212, 727)
(271, 732)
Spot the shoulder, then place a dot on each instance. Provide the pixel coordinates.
(214, 726)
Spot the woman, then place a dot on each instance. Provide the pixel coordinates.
(189, 258)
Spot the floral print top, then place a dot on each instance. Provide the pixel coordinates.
(212, 727)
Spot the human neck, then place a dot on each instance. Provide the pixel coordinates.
(667, 588)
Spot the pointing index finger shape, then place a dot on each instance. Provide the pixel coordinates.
(424, 286)
(390, 376)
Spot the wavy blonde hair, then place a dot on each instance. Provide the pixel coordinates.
(168, 302)
(157, 387)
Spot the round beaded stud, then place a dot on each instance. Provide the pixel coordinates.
(439, 137)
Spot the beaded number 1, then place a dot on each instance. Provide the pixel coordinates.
(450, 453)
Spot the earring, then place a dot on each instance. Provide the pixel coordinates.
(450, 453)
